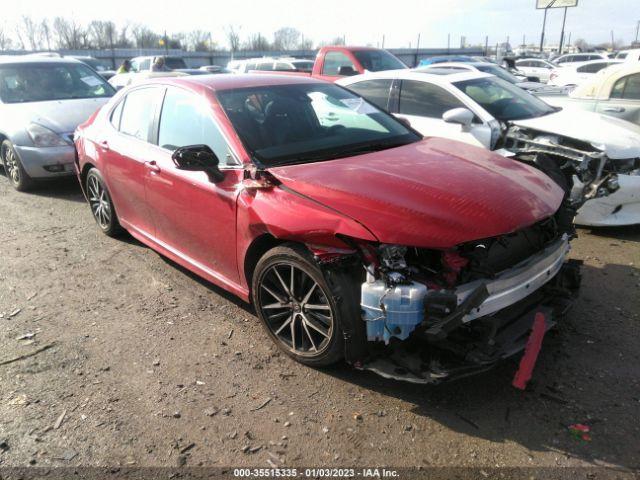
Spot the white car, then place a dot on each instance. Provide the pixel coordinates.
(492, 69)
(535, 67)
(122, 80)
(596, 154)
(574, 74)
(271, 64)
(579, 57)
(632, 55)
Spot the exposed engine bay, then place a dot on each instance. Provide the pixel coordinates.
(564, 159)
(432, 315)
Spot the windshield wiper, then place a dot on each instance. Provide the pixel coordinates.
(347, 152)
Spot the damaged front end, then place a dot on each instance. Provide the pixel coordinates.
(434, 315)
(583, 171)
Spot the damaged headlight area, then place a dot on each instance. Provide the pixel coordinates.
(566, 160)
(432, 315)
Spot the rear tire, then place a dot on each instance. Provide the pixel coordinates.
(13, 168)
(102, 209)
(306, 323)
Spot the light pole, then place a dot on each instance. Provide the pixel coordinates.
(564, 20)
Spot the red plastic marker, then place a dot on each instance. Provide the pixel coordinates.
(528, 361)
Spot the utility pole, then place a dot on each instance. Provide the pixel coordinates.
(569, 40)
(486, 45)
(564, 20)
(544, 24)
(383, 40)
(613, 43)
(448, 42)
(166, 43)
(637, 31)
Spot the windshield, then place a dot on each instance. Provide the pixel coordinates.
(503, 100)
(39, 82)
(283, 124)
(499, 72)
(378, 60)
(174, 62)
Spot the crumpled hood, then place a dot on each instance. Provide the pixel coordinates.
(435, 193)
(619, 139)
(61, 116)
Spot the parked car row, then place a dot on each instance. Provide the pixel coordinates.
(484, 110)
(414, 223)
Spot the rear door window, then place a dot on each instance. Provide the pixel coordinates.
(627, 87)
(334, 61)
(426, 100)
(138, 111)
(375, 91)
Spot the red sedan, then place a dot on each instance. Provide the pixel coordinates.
(352, 235)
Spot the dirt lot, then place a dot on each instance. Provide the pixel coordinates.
(150, 366)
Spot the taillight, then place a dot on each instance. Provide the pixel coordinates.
(553, 75)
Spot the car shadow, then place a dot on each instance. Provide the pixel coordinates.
(630, 233)
(584, 374)
(64, 188)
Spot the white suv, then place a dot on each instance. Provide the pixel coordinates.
(579, 57)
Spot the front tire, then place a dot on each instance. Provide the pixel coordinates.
(296, 307)
(13, 168)
(102, 209)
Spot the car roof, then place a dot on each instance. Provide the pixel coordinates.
(464, 65)
(582, 54)
(528, 59)
(424, 75)
(229, 81)
(26, 59)
(601, 83)
(576, 65)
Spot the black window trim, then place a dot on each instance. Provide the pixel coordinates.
(149, 129)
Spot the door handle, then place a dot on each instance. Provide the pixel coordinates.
(613, 109)
(153, 166)
(104, 145)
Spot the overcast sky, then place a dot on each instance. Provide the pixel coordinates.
(361, 21)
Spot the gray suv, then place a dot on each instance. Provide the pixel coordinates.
(42, 101)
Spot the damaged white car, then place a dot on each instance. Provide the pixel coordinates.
(595, 158)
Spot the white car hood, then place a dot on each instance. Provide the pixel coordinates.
(619, 139)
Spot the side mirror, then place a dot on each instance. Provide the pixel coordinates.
(346, 71)
(461, 116)
(198, 158)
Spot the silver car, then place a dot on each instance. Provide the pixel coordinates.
(42, 101)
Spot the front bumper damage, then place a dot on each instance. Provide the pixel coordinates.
(488, 321)
(565, 160)
(620, 208)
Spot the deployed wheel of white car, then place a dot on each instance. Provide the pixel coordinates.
(297, 308)
(101, 205)
(13, 168)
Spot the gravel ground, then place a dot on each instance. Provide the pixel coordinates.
(148, 366)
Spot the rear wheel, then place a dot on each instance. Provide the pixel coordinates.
(13, 168)
(297, 308)
(101, 205)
